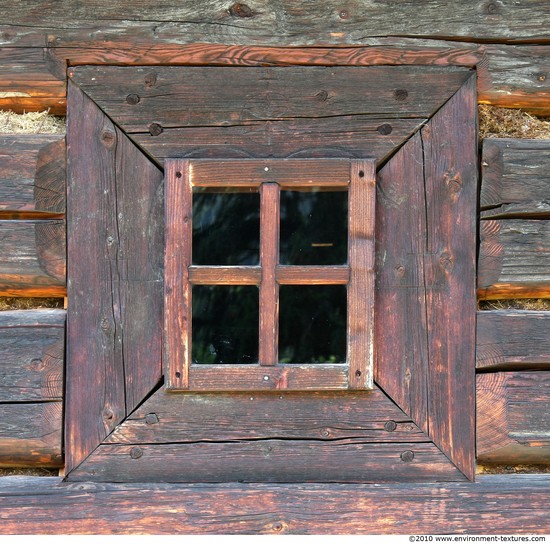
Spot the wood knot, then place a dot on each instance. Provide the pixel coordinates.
(136, 452)
(453, 181)
(155, 129)
(108, 138)
(322, 96)
(108, 414)
(401, 94)
(446, 262)
(407, 456)
(344, 14)
(150, 80)
(241, 10)
(385, 129)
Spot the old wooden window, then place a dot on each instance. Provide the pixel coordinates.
(131, 130)
(271, 179)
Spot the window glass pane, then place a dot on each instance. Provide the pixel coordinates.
(226, 228)
(312, 324)
(225, 324)
(314, 227)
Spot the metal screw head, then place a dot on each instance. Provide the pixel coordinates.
(155, 129)
(136, 452)
(390, 426)
(407, 456)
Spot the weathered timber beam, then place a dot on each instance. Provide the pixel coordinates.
(32, 345)
(514, 259)
(516, 178)
(33, 78)
(513, 417)
(32, 176)
(47, 506)
(32, 258)
(512, 339)
(31, 434)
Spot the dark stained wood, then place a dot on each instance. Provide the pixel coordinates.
(178, 208)
(32, 261)
(31, 434)
(32, 175)
(512, 339)
(263, 378)
(291, 174)
(312, 275)
(199, 417)
(269, 461)
(268, 350)
(450, 270)
(46, 506)
(357, 136)
(115, 212)
(400, 305)
(225, 275)
(513, 417)
(360, 292)
(192, 96)
(514, 259)
(32, 345)
(516, 178)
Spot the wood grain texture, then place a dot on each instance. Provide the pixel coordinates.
(32, 175)
(449, 144)
(46, 506)
(514, 259)
(360, 292)
(513, 417)
(32, 345)
(270, 210)
(279, 461)
(192, 96)
(115, 209)
(312, 275)
(515, 182)
(400, 305)
(512, 339)
(31, 434)
(225, 275)
(178, 240)
(198, 417)
(288, 174)
(32, 260)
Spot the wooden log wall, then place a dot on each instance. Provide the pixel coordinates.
(507, 42)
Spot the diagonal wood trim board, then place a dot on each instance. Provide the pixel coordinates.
(501, 504)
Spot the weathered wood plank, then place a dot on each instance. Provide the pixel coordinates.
(32, 175)
(225, 275)
(32, 345)
(516, 178)
(514, 259)
(199, 417)
(513, 339)
(194, 97)
(267, 23)
(269, 461)
(357, 136)
(115, 259)
(32, 258)
(360, 291)
(451, 188)
(31, 434)
(400, 305)
(45, 506)
(513, 417)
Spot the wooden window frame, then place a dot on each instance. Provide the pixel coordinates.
(358, 177)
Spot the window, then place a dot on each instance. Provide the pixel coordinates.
(273, 282)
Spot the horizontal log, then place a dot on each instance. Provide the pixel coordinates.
(513, 417)
(516, 178)
(514, 259)
(32, 258)
(366, 415)
(31, 434)
(269, 461)
(47, 506)
(32, 345)
(32, 175)
(513, 339)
